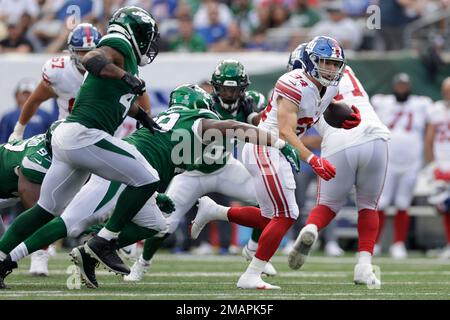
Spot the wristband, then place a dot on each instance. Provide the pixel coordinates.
(312, 155)
(279, 144)
(19, 128)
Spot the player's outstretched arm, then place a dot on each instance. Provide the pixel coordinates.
(106, 62)
(287, 124)
(249, 133)
(42, 93)
(28, 192)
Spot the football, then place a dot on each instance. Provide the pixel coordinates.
(337, 113)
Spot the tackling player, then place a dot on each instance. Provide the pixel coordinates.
(298, 100)
(360, 156)
(229, 177)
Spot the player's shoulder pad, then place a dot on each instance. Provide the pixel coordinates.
(291, 86)
(53, 68)
(118, 42)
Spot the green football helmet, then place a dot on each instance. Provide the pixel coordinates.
(259, 102)
(139, 27)
(191, 97)
(230, 80)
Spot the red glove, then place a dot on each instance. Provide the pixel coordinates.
(322, 167)
(355, 121)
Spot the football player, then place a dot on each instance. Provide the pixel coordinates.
(298, 100)
(185, 124)
(231, 101)
(360, 157)
(84, 143)
(23, 165)
(406, 115)
(437, 149)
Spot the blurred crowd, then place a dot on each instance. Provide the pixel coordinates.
(222, 26)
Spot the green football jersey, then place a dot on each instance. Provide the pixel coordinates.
(104, 103)
(178, 146)
(31, 156)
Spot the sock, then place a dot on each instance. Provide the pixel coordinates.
(24, 226)
(19, 252)
(151, 245)
(401, 226)
(447, 226)
(95, 229)
(321, 216)
(2, 256)
(364, 257)
(132, 233)
(46, 235)
(271, 237)
(248, 217)
(367, 229)
(256, 266)
(130, 201)
(252, 245)
(108, 235)
(381, 222)
(2, 227)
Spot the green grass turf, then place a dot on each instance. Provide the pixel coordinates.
(187, 277)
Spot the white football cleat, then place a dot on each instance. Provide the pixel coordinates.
(254, 281)
(51, 250)
(332, 249)
(204, 249)
(208, 211)
(302, 246)
(363, 274)
(129, 252)
(445, 254)
(269, 269)
(39, 263)
(398, 251)
(138, 270)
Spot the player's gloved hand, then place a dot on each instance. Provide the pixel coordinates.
(164, 203)
(355, 121)
(146, 121)
(292, 156)
(322, 167)
(17, 134)
(136, 85)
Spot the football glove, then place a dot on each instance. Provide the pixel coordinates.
(136, 85)
(292, 156)
(164, 203)
(322, 167)
(354, 122)
(146, 121)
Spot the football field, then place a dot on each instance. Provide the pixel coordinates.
(187, 277)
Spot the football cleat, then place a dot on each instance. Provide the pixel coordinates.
(363, 274)
(302, 246)
(39, 263)
(138, 270)
(87, 266)
(254, 281)
(445, 254)
(129, 252)
(332, 249)
(398, 251)
(6, 267)
(106, 253)
(269, 269)
(207, 211)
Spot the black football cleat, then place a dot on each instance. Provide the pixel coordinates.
(87, 266)
(6, 267)
(106, 253)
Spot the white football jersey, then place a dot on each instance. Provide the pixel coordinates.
(352, 93)
(407, 122)
(296, 87)
(65, 79)
(440, 117)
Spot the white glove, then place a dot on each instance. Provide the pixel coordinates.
(17, 134)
